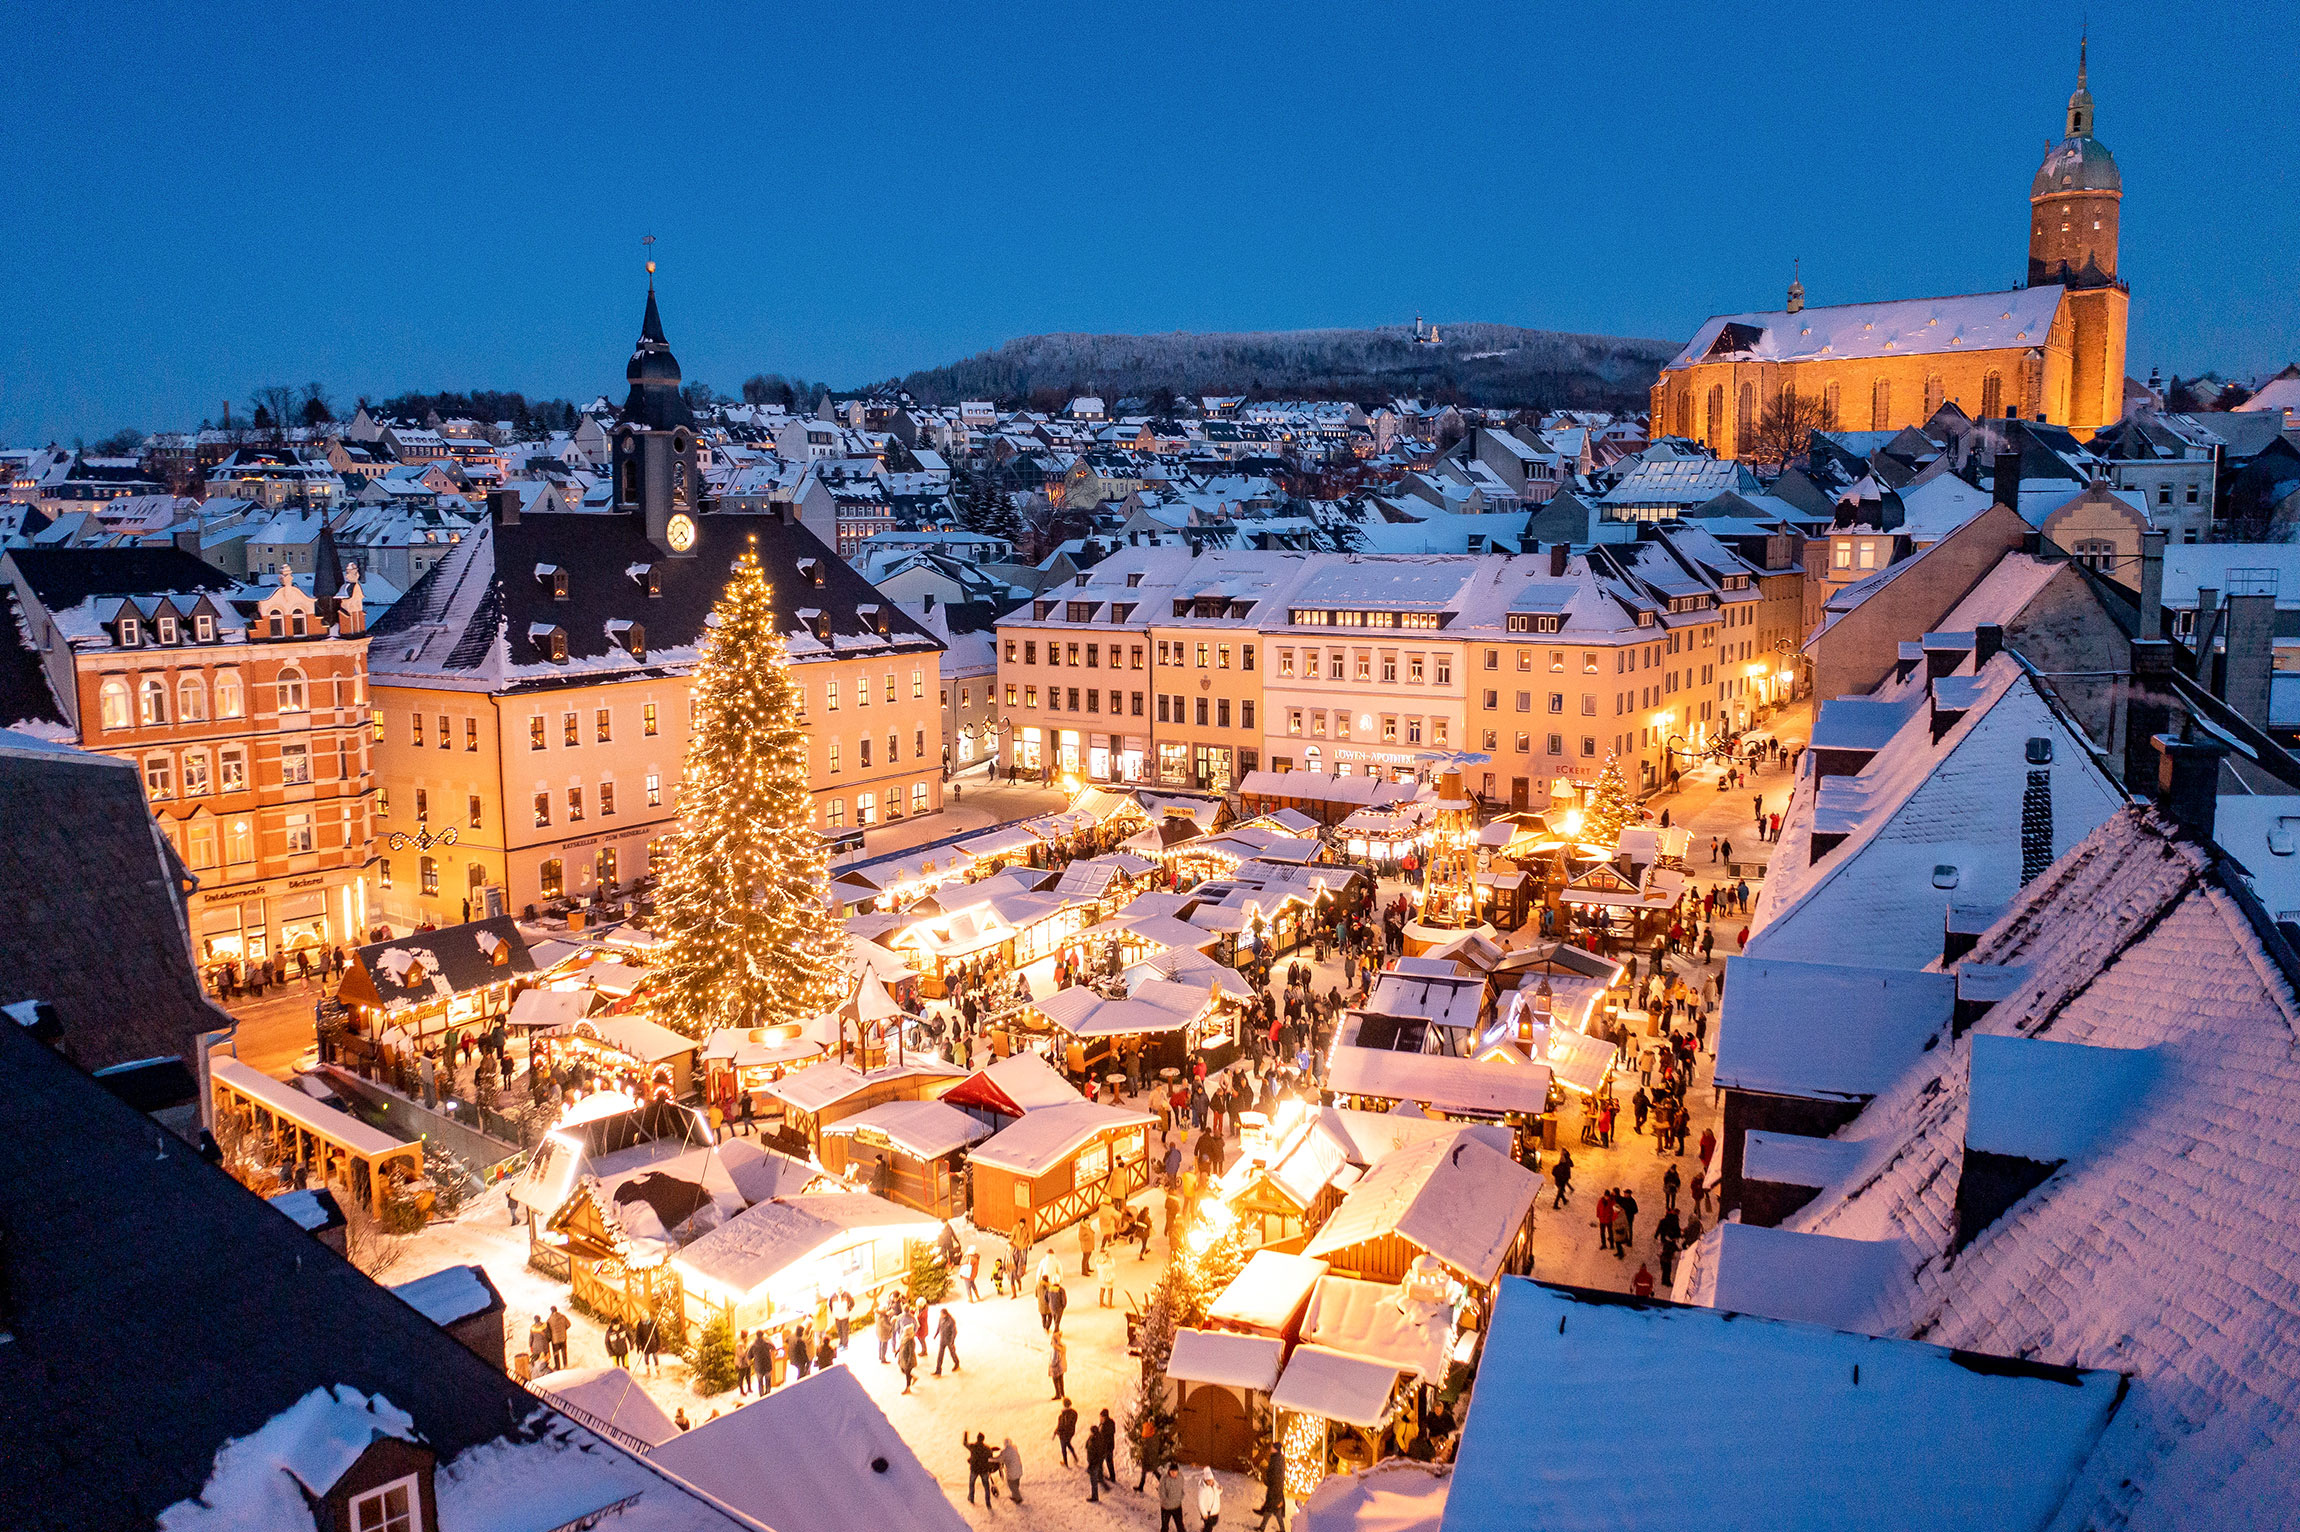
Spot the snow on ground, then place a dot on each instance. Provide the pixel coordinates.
(1003, 1389)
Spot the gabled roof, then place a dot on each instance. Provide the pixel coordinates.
(2166, 1207)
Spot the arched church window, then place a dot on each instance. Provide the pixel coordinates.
(1881, 406)
(1685, 412)
(1933, 394)
(1832, 396)
(628, 491)
(1715, 424)
(1992, 394)
(1745, 419)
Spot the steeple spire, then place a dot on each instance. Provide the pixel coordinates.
(1796, 285)
(2080, 101)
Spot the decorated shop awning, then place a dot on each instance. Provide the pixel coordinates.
(1215, 1356)
(1269, 1294)
(551, 1010)
(924, 1130)
(1036, 1142)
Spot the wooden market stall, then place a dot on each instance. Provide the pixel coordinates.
(634, 1043)
(421, 984)
(1346, 1398)
(824, 1093)
(1165, 1023)
(337, 1147)
(740, 1061)
(774, 1263)
(911, 1152)
(1004, 1089)
(1218, 1385)
(1049, 1168)
(1379, 1080)
(1455, 1198)
(1269, 1296)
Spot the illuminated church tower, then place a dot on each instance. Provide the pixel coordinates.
(657, 463)
(2073, 205)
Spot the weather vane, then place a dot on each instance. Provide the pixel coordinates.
(647, 243)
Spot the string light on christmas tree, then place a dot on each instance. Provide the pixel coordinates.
(1610, 806)
(749, 936)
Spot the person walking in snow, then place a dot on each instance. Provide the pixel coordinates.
(906, 1358)
(1170, 1499)
(1605, 1212)
(1562, 1174)
(1209, 1500)
(1669, 1185)
(1625, 1219)
(1058, 1363)
(1056, 1301)
(1065, 1427)
(981, 1467)
(1010, 1459)
(946, 1340)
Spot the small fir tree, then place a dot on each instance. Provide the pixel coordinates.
(742, 909)
(711, 1366)
(929, 1278)
(1610, 806)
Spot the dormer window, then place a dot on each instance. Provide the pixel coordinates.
(204, 628)
(552, 578)
(167, 627)
(550, 640)
(131, 633)
(295, 624)
(645, 577)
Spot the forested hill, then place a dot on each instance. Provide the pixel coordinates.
(1484, 364)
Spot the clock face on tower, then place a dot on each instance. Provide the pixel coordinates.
(681, 533)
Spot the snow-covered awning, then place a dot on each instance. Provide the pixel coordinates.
(1215, 1356)
(1352, 1390)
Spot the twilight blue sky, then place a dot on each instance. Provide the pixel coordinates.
(204, 198)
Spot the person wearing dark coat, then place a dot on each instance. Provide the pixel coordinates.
(1273, 1491)
(982, 1464)
(1066, 1427)
(945, 1340)
(906, 1357)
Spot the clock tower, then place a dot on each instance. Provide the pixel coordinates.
(657, 455)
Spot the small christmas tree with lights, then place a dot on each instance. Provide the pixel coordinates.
(1610, 806)
(749, 936)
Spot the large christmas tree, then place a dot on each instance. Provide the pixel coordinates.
(1610, 806)
(750, 939)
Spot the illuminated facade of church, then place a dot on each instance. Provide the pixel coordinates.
(2052, 350)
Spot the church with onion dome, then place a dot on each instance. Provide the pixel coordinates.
(2051, 350)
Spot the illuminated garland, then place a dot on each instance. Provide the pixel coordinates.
(749, 937)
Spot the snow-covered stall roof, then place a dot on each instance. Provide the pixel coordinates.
(925, 1130)
(735, 1045)
(817, 1455)
(611, 1396)
(1268, 1292)
(1825, 1029)
(1036, 1142)
(1395, 1495)
(761, 1175)
(820, 1085)
(302, 1109)
(1432, 1080)
(1020, 1082)
(749, 1250)
(1217, 1356)
(449, 1294)
(1378, 1321)
(612, 978)
(551, 1010)
(1579, 1061)
(1448, 999)
(1882, 1435)
(1350, 1389)
(647, 1041)
(1454, 1197)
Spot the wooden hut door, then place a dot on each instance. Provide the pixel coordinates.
(1212, 1429)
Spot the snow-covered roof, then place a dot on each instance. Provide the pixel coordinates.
(611, 1396)
(301, 1108)
(1749, 1268)
(817, 1455)
(1021, 1082)
(749, 1250)
(449, 1294)
(1825, 1029)
(1395, 1495)
(1217, 1356)
(1267, 1292)
(1431, 1080)
(1904, 327)
(1918, 806)
(2155, 1248)
(1450, 1000)
(1884, 1435)
(263, 1479)
(1454, 1197)
(1378, 1321)
(552, 1010)
(1038, 1141)
(922, 1129)
(1350, 1389)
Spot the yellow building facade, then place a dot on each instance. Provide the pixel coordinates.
(2053, 350)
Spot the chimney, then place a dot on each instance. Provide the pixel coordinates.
(2004, 478)
(2250, 655)
(2188, 782)
(504, 506)
(2152, 584)
(227, 414)
(1988, 643)
(2206, 637)
(1558, 554)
